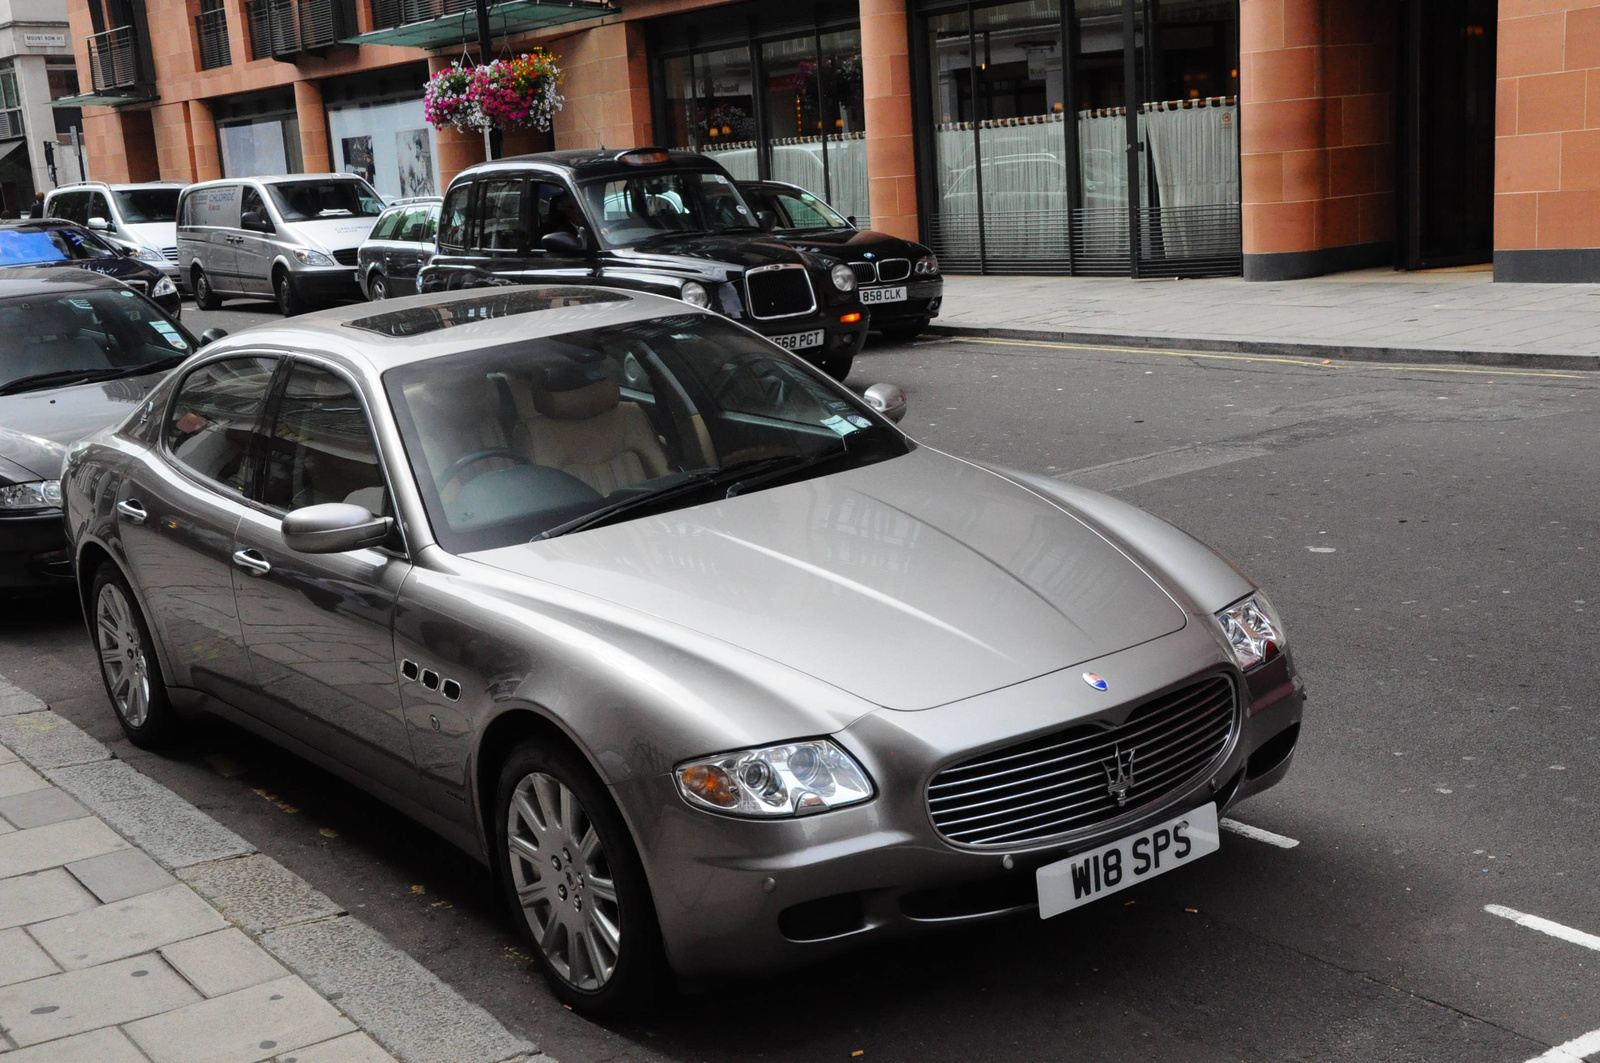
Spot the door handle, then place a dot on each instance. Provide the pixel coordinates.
(133, 511)
(252, 562)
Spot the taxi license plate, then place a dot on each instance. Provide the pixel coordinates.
(1077, 880)
(799, 341)
(869, 296)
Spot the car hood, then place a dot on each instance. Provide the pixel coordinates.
(911, 583)
(333, 234)
(156, 234)
(852, 243)
(39, 425)
(120, 268)
(741, 251)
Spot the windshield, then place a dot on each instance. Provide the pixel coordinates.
(22, 247)
(311, 200)
(798, 211)
(140, 206)
(55, 339)
(547, 436)
(632, 210)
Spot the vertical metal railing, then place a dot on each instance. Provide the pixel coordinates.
(211, 28)
(113, 63)
(387, 14)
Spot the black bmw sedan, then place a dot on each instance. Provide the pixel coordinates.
(50, 242)
(671, 223)
(899, 280)
(78, 351)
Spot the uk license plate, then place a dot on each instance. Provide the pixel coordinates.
(799, 341)
(1077, 880)
(870, 296)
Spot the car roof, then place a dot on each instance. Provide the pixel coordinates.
(35, 280)
(583, 163)
(87, 186)
(382, 336)
(36, 224)
(274, 179)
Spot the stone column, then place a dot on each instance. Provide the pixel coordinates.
(313, 127)
(456, 150)
(203, 142)
(886, 86)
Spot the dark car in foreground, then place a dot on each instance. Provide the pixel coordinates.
(667, 222)
(77, 352)
(51, 242)
(400, 244)
(899, 280)
(706, 659)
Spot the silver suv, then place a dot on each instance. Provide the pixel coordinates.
(293, 238)
(140, 215)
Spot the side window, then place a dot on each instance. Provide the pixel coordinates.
(386, 226)
(453, 218)
(321, 449)
(98, 207)
(503, 227)
(214, 416)
(250, 200)
(430, 228)
(412, 224)
(554, 210)
(801, 215)
(69, 206)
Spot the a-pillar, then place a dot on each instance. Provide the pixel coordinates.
(313, 127)
(456, 150)
(886, 89)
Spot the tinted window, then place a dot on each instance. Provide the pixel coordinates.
(28, 246)
(99, 207)
(70, 205)
(635, 209)
(502, 228)
(802, 210)
(53, 340)
(311, 200)
(413, 224)
(387, 225)
(214, 416)
(321, 449)
(453, 218)
(141, 206)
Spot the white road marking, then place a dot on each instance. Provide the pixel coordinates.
(1545, 926)
(1256, 834)
(1574, 1051)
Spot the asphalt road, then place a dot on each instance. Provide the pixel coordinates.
(1431, 537)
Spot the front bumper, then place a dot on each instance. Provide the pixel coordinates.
(737, 896)
(921, 304)
(33, 551)
(326, 284)
(840, 339)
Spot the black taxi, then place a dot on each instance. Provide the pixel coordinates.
(669, 222)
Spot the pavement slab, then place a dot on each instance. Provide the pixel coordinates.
(160, 822)
(351, 1048)
(62, 1004)
(38, 808)
(21, 958)
(243, 1027)
(121, 874)
(55, 844)
(127, 927)
(39, 896)
(18, 778)
(222, 962)
(97, 1046)
(259, 893)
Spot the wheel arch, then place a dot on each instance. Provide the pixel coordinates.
(92, 554)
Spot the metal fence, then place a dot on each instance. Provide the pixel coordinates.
(387, 14)
(113, 63)
(282, 28)
(211, 28)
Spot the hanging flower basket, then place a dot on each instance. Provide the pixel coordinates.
(503, 94)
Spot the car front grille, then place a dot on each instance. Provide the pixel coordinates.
(864, 272)
(347, 257)
(171, 253)
(779, 291)
(1062, 783)
(136, 285)
(894, 269)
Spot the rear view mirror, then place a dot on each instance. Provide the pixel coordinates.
(333, 528)
(888, 400)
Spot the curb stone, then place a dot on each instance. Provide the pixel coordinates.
(397, 1003)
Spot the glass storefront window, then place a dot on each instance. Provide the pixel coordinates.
(725, 110)
(845, 123)
(388, 143)
(260, 147)
(678, 111)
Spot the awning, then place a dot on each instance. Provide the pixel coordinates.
(101, 99)
(509, 19)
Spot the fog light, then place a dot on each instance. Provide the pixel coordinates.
(849, 319)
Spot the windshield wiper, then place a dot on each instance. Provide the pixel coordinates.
(695, 482)
(65, 377)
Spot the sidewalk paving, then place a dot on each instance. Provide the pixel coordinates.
(136, 929)
(1435, 316)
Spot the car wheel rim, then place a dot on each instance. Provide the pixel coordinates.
(283, 292)
(122, 656)
(564, 881)
(379, 289)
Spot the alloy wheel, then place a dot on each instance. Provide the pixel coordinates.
(564, 881)
(122, 655)
(378, 287)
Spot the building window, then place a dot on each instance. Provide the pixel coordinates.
(262, 146)
(10, 107)
(211, 31)
(388, 143)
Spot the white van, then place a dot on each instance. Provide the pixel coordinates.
(141, 215)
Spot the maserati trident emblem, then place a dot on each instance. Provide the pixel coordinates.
(1095, 681)
(1119, 774)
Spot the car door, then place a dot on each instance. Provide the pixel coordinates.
(319, 627)
(216, 222)
(502, 236)
(554, 208)
(403, 252)
(254, 250)
(178, 508)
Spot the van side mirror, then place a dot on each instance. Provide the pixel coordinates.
(254, 222)
(333, 528)
(99, 224)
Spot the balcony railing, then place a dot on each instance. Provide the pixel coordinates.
(282, 29)
(387, 14)
(211, 28)
(113, 60)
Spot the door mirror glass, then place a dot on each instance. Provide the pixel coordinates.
(253, 221)
(888, 400)
(333, 528)
(767, 220)
(99, 224)
(212, 335)
(565, 241)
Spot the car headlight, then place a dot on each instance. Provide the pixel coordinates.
(164, 286)
(313, 258)
(149, 254)
(844, 278)
(927, 266)
(695, 294)
(1252, 631)
(792, 779)
(35, 494)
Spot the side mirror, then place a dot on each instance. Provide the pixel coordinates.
(564, 241)
(253, 221)
(888, 400)
(212, 335)
(99, 225)
(852, 220)
(767, 220)
(333, 528)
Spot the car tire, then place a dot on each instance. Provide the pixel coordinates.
(377, 287)
(838, 368)
(290, 302)
(905, 333)
(129, 667)
(204, 297)
(602, 955)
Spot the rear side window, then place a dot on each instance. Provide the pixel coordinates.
(321, 449)
(215, 415)
(453, 218)
(386, 226)
(70, 205)
(414, 227)
(503, 227)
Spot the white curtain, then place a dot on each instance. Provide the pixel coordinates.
(1196, 155)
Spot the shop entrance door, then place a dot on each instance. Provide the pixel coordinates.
(1446, 132)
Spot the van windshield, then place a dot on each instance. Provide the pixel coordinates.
(314, 200)
(140, 206)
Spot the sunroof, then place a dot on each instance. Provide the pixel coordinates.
(503, 302)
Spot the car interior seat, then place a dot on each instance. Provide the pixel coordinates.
(586, 430)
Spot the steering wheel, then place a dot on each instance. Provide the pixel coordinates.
(460, 464)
